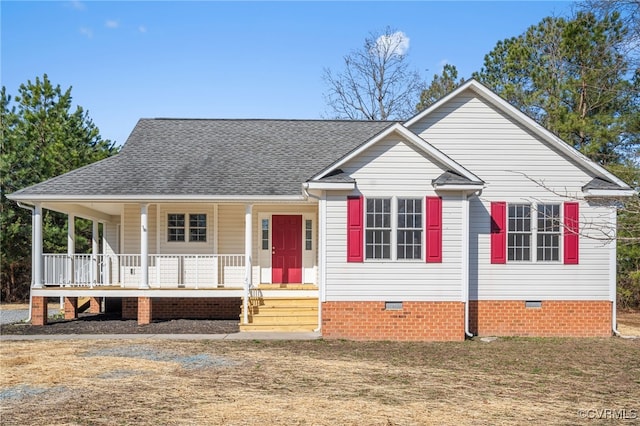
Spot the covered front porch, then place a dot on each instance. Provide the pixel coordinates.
(154, 253)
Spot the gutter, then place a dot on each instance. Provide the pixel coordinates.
(32, 209)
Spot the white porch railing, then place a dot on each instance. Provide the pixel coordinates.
(165, 271)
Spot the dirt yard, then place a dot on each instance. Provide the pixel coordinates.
(507, 381)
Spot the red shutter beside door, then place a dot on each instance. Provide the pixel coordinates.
(434, 230)
(571, 233)
(354, 229)
(498, 232)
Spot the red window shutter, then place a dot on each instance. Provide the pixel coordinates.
(434, 230)
(354, 229)
(571, 233)
(498, 232)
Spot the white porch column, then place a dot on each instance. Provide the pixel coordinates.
(38, 281)
(144, 246)
(94, 252)
(248, 251)
(71, 246)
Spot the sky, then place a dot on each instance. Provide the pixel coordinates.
(128, 60)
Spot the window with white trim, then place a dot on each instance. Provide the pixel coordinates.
(178, 227)
(526, 242)
(409, 243)
(548, 232)
(519, 232)
(175, 227)
(378, 228)
(198, 227)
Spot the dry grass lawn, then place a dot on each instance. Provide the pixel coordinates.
(508, 381)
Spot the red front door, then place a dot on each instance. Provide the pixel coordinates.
(286, 253)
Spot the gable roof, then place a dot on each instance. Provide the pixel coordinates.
(438, 156)
(488, 95)
(209, 158)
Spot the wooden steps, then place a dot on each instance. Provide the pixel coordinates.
(282, 314)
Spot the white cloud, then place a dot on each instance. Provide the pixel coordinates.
(111, 23)
(87, 32)
(77, 5)
(392, 44)
(142, 29)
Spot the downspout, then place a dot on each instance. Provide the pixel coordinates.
(612, 275)
(320, 264)
(465, 261)
(32, 209)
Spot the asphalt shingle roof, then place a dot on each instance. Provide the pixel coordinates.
(215, 157)
(599, 183)
(452, 178)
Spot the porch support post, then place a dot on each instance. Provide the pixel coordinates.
(71, 247)
(70, 308)
(144, 246)
(38, 281)
(39, 312)
(248, 250)
(94, 252)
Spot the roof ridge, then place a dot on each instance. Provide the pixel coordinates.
(319, 120)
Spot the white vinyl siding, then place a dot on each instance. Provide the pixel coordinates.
(518, 168)
(393, 167)
(110, 238)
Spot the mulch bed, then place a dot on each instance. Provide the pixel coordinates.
(112, 324)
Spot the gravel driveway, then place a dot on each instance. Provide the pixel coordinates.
(14, 315)
(11, 316)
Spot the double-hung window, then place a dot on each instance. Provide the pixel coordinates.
(378, 228)
(175, 227)
(548, 244)
(519, 232)
(409, 243)
(198, 227)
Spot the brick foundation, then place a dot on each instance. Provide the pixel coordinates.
(39, 311)
(95, 305)
(70, 308)
(552, 319)
(145, 310)
(186, 307)
(416, 321)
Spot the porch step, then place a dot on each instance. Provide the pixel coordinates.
(282, 314)
(280, 302)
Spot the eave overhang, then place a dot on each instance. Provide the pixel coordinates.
(330, 186)
(609, 193)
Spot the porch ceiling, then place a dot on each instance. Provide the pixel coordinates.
(104, 212)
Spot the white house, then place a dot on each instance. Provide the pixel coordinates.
(470, 218)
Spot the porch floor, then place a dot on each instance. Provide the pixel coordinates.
(266, 290)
